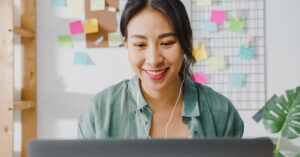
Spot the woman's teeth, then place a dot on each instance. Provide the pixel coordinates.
(156, 72)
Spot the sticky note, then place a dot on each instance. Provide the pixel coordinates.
(204, 2)
(99, 40)
(200, 78)
(236, 80)
(91, 26)
(209, 27)
(75, 7)
(200, 53)
(119, 15)
(76, 27)
(58, 3)
(114, 39)
(236, 26)
(246, 53)
(65, 41)
(218, 16)
(97, 5)
(217, 63)
(81, 58)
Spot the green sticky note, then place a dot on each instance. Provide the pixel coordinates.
(75, 7)
(114, 39)
(204, 2)
(97, 5)
(81, 58)
(236, 26)
(217, 63)
(65, 41)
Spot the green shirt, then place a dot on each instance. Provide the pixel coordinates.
(113, 113)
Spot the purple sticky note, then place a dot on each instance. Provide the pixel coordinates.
(200, 78)
(218, 16)
(76, 27)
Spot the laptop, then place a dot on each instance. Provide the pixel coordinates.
(151, 148)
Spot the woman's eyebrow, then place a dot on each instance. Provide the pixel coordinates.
(138, 36)
(160, 36)
(167, 35)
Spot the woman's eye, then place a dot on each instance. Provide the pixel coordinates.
(167, 43)
(140, 45)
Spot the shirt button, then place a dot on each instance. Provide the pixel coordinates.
(195, 132)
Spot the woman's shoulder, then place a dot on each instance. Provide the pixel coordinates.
(224, 112)
(98, 110)
(214, 100)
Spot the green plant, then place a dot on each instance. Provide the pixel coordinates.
(281, 115)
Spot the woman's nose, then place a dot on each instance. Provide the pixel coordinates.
(154, 57)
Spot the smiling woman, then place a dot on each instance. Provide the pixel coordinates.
(161, 101)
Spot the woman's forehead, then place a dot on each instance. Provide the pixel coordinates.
(149, 22)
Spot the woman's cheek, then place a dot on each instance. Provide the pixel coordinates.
(136, 61)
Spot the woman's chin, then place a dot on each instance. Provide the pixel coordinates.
(154, 84)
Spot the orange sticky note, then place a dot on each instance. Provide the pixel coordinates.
(200, 53)
(91, 26)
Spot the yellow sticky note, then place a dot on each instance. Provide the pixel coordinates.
(97, 5)
(75, 7)
(114, 39)
(217, 63)
(203, 2)
(91, 26)
(199, 53)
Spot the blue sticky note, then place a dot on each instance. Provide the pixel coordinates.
(246, 53)
(209, 27)
(58, 3)
(81, 58)
(236, 80)
(119, 15)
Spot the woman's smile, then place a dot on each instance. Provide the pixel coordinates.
(156, 74)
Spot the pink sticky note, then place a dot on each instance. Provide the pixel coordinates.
(200, 78)
(76, 27)
(218, 16)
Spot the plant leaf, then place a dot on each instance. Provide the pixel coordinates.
(271, 121)
(279, 155)
(284, 115)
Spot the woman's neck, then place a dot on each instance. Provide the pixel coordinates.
(165, 98)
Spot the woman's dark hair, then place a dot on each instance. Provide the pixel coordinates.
(175, 12)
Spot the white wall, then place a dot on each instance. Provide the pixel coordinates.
(282, 42)
(64, 90)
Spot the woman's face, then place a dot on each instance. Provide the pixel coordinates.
(153, 50)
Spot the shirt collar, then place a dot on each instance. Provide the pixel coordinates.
(190, 99)
(135, 90)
